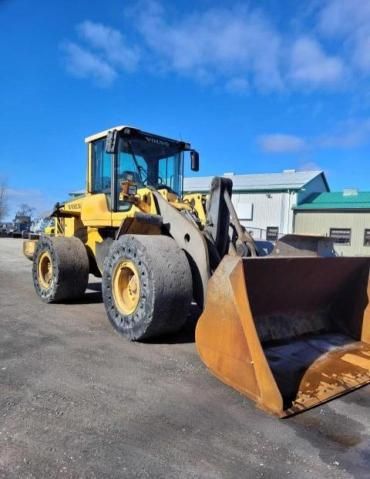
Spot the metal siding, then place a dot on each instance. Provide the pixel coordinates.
(277, 210)
(266, 210)
(286, 180)
(284, 214)
(292, 201)
(317, 185)
(270, 207)
(320, 222)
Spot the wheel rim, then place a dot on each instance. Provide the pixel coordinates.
(126, 287)
(45, 270)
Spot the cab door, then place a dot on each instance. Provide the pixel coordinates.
(97, 211)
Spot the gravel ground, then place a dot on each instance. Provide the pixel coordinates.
(78, 401)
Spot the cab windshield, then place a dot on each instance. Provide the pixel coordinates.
(150, 161)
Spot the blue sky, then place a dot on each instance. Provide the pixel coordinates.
(254, 86)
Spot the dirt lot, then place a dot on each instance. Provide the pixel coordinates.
(77, 400)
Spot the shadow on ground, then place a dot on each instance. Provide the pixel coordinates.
(93, 295)
(186, 334)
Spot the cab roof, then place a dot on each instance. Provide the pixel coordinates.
(104, 133)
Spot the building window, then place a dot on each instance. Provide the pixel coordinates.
(272, 233)
(340, 235)
(367, 237)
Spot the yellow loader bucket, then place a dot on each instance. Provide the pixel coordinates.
(289, 333)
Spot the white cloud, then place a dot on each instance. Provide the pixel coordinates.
(281, 143)
(237, 85)
(217, 42)
(344, 17)
(238, 47)
(361, 54)
(105, 54)
(351, 134)
(311, 66)
(349, 20)
(82, 63)
(111, 42)
(308, 165)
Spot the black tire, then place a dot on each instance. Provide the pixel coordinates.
(69, 268)
(165, 286)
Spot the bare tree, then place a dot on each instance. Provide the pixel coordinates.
(25, 210)
(3, 199)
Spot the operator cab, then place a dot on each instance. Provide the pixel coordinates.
(125, 155)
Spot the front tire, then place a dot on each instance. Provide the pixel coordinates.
(147, 286)
(60, 269)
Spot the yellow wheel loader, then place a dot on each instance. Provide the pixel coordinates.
(289, 330)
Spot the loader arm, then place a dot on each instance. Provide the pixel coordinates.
(221, 217)
(189, 238)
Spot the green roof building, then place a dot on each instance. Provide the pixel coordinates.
(344, 216)
(264, 202)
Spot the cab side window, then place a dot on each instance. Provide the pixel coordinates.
(101, 168)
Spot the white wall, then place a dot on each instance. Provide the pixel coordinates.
(273, 208)
(258, 210)
(268, 209)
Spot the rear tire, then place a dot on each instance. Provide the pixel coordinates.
(60, 268)
(147, 286)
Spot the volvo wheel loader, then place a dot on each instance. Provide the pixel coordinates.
(289, 330)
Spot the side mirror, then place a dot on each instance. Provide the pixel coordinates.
(194, 158)
(111, 141)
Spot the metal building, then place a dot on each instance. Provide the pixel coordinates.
(344, 216)
(264, 202)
